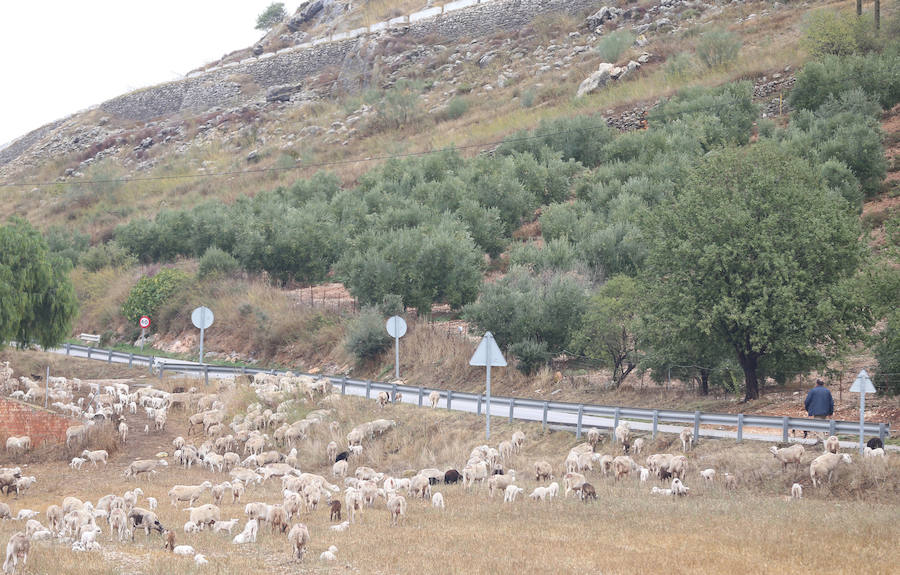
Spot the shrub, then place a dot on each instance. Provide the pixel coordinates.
(527, 98)
(611, 47)
(399, 105)
(391, 305)
(679, 67)
(366, 335)
(108, 255)
(67, 243)
(271, 16)
(829, 32)
(150, 292)
(718, 48)
(455, 109)
(530, 355)
(721, 115)
(878, 75)
(216, 262)
(887, 352)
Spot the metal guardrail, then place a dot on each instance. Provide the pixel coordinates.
(549, 411)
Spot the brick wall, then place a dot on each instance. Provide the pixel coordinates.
(42, 426)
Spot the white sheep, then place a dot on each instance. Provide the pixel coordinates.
(95, 456)
(708, 474)
(397, 506)
(191, 527)
(16, 548)
(200, 559)
(832, 444)
(540, 493)
(299, 538)
(687, 438)
(511, 492)
(785, 455)
(152, 503)
(877, 452)
(26, 514)
(220, 526)
(327, 556)
(248, 535)
(645, 474)
(23, 483)
(678, 488)
(437, 500)
(593, 436)
(183, 550)
(434, 397)
(77, 462)
(189, 493)
(825, 464)
(340, 526)
(638, 445)
(797, 491)
(623, 435)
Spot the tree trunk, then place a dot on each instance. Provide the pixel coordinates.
(878, 14)
(704, 382)
(859, 7)
(749, 362)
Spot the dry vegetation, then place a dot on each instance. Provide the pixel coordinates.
(751, 529)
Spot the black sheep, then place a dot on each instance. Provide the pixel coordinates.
(452, 476)
(875, 443)
(342, 456)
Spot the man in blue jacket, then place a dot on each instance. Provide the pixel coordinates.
(819, 403)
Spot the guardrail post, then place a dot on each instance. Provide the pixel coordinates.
(512, 406)
(368, 388)
(150, 363)
(67, 349)
(478, 408)
(109, 358)
(615, 424)
(449, 397)
(344, 385)
(784, 429)
(394, 393)
(89, 352)
(162, 368)
(882, 432)
(696, 426)
(206, 375)
(544, 417)
(421, 393)
(580, 414)
(243, 370)
(832, 427)
(655, 423)
(740, 432)
(130, 359)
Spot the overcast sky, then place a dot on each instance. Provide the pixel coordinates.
(60, 57)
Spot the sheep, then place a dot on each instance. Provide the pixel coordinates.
(118, 522)
(543, 470)
(331, 451)
(277, 518)
(339, 469)
(327, 556)
(730, 481)
(383, 398)
(437, 500)
(77, 462)
(355, 450)
(200, 559)
(397, 506)
(419, 485)
(622, 465)
(353, 501)
(451, 476)
(147, 466)
(131, 497)
(248, 535)
(677, 466)
(832, 444)
(500, 482)
(645, 474)
(606, 463)
(191, 527)
(237, 490)
(189, 493)
(797, 491)
(573, 482)
(708, 474)
(75, 433)
(16, 548)
(256, 510)
(434, 397)
(17, 445)
(220, 526)
(875, 443)
(678, 488)
(593, 436)
(139, 517)
(509, 495)
(518, 440)
(8, 478)
(299, 538)
(26, 514)
(123, 431)
(877, 452)
(825, 464)
(218, 492)
(204, 515)
(478, 471)
(95, 456)
(623, 435)
(23, 483)
(335, 507)
(541, 493)
(31, 526)
(687, 438)
(638, 445)
(183, 550)
(785, 455)
(588, 492)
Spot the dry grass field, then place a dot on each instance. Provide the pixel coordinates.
(849, 523)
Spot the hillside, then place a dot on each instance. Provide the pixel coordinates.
(479, 141)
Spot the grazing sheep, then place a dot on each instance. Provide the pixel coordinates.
(730, 481)
(518, 440)
(118, 522)
(354, 502)
(220, 526)
(638, 445)
(509, 495)
(75, 434)
(26, 514)
(23, 483)
(335, 510)
(785, 455)
(708, 474)
(832, 444)
(623, 465)
(327, 556)
(16, 548)
(593, 436)
(237, 490)
(623, 435)
(77, 462)
(200, 559)
(588, 492)
(797, 491)
(824, 466)
(147, 466)
(543, 470)
(123, 431)
(189, 493)
(500, 482)
(204, 515)
(32, 526)
(339, 469)
(248, 535)
(875, 443)
(420, 485)
(434, 397)
(541, 493)
(95, 456)
(437, 500)
(506, 450)
(143, 518)
(573, 482)
(687, 438)
(877, 452)
(299, 538)
(452, 476)
(331, 451)
(397, 506)
(18, 445)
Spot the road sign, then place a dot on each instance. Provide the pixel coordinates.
(862, 384)
(396, 328)
(144, 322)
(488, 354)
(202, 317)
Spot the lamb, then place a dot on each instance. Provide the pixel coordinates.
(678, 488)
(327, 556)
(248, 535)
(237, 490)
(331, 451)
(204, 515)
(118, 522)
(687, 438)
(877, 452)
(437, 500)
(593, 436)
(77, 462)
(183, 550)
(541, 493)
(339, 469)
(623, 435)
(434, 397)
(123, 431)
(131, 497)
(16, 548)
(220, 526)
(510, 493)
(23, 483)
(299, 538)
(189, 493)
(832, 444)
(31, 526)
(26, 514)
(588, 492)
(518, 440)
(708, 474)
(383, 398)
(335, 510)
(95, 456)
(277, 518)
(638, 445)
(824, 466)
(785, 455)
(797, 491)
(730, 481)
(397, 506)
(543, 470)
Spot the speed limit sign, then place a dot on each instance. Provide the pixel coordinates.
(144, 322)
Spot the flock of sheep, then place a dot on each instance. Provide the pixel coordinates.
(262, 444)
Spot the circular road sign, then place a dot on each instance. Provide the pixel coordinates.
(396, 326)
(144, 322)
(202, 317)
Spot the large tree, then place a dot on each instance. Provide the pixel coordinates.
(757, 253)
(37, 301)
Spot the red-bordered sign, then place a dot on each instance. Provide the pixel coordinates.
(144, 322)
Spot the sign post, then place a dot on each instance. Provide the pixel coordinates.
(862, 385)
(488, 354)
(202, 318)
(396, 328)
(144, 322)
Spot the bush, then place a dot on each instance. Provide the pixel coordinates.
(108, 255)
(271, 16)
(67, 243)
(391, 305)
(611, 47)
(150, 292)
(829, 32)
(455, 109)
(217, 262)
(716, 116)
(679, 67)
(530, 355)
(366, 335)
(887, 352)
(399, 105)
(878, 75)
(718, 48)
